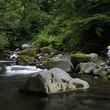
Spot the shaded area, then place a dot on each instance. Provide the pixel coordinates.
(96, 98)
(96, 37)
(11, 99)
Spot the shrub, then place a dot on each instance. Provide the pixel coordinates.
(3, 41)
(44, 39)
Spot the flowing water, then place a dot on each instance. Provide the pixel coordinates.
(95, 98)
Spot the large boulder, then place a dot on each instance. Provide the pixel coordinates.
(59, 61)
(54, 81)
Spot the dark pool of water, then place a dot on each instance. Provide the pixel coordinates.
(96, 98)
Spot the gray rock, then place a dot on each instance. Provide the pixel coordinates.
(93, 57)
(100, 71)
(24, 46)
(60, 61)
(88, 67)
(54, 81)
(94, 69)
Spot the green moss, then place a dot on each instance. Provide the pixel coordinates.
(108, 76)
(48, 63)
(80, 57)
(32, 52)
(24, 59)
(46, 50)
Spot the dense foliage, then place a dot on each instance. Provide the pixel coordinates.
(19, 19)
(62, 24)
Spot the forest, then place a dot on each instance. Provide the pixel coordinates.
(61, 24)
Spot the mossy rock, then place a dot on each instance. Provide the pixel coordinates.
(108, 76)
(46, 50)
(63, 64)
(24, 59)
(29, 52)
(80, 57)
(48, 63)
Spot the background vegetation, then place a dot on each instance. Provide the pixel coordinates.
(61, 24)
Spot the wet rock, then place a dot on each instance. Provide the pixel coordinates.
(59, 61)
(101, 71)
(2, 68)
(54, 81)
(25, 46)
(87, 67)
(47, 50)
(94, 69)
(85, 63)
(93, 57)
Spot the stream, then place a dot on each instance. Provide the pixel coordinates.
(95, 98)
